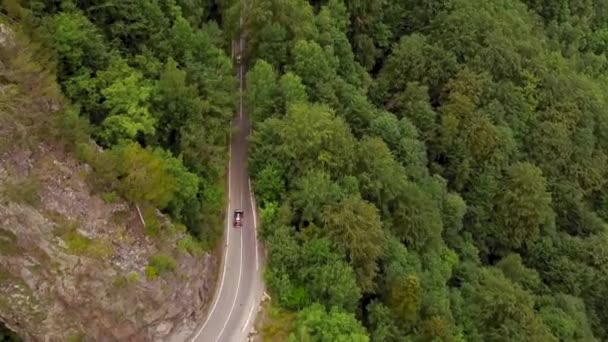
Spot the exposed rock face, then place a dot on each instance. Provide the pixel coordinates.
(47, 293)
(73, 266)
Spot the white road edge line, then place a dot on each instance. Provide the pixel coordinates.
(236, 295)
(219, 294)
(248, 318)
(255, 224)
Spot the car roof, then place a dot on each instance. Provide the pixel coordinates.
(239, 211)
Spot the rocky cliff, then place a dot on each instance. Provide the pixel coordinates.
(73, 265)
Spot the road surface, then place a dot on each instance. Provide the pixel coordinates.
(240, 289)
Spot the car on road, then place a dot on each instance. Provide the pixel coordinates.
(238, 59)
(238, 218)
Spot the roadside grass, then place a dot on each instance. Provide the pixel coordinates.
(275, 324)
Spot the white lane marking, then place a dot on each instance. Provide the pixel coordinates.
(238, 284)
(248, 318)
(219, 294)
(255, 225)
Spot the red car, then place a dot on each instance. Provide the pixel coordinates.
(238, 218)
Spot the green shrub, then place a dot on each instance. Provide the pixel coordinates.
(152, 227)
(122, 281)
(188, 244)
(110, 197)
(151, 272)
(160, 264)
(82, 245)
(133, 277)
(76, 337)
(278, 323)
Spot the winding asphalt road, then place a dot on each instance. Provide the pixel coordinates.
(240, 289)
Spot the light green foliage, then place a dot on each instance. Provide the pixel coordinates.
(565, 316)
(523, 206)
(453, 210)
(272, 25)
(331, 23)
(402, 138)
(312, 193)
(292, 90)
(262, 91)
(154, 177)
(380, 177)
(309, 273)
(175, 101)
(314, 137)
(142, 72)
(278, 323)
(500, 310)
(416, 217)
(145, 178)
(77, 42)
(414, 59)
(82, 245)
(152, 227)
(127, 98)
(110, 197)
(160, 264)
(414, 103)
(316, 66)
(269, 184)
(332, 280)
(308, 137)
(355, 228)
(186, 184)
(316, 324)
(188, 244)
(512, 267)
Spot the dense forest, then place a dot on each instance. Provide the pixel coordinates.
(151, 82)
(433, 170)
(426, 170)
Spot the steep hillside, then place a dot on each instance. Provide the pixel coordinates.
(77, 262)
